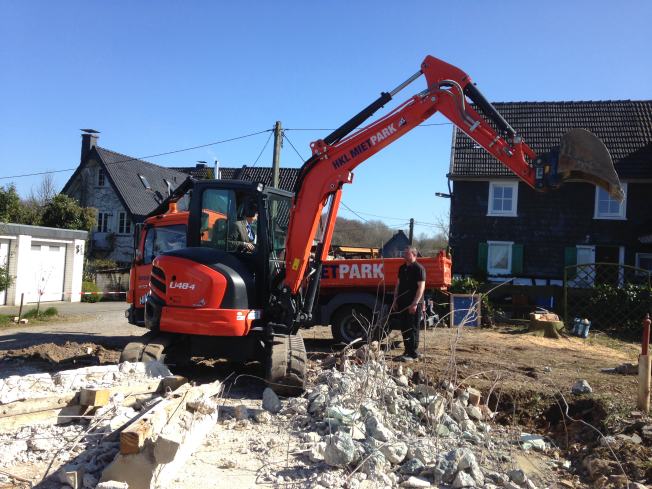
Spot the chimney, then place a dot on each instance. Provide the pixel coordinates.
(216, 172)
(89, 141)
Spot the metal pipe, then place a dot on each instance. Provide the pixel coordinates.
(406, 83)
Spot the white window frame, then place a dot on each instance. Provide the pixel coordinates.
(124, 226)
(101, 177)
(103, 222)
(503, 183)
(639, 255)
(500, 271)
(622, 213)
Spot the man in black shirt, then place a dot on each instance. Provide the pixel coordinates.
(408, 301)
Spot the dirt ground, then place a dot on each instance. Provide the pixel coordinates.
(528, 381)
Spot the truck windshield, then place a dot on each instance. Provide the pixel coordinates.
(163, 238)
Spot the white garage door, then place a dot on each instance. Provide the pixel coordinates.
(4, 256)
(48, 263)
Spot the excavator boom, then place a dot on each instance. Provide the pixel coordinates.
(451, 92)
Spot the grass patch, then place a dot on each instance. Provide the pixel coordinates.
(603, 339)
(43, 316)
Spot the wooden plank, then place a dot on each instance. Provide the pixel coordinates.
(73, 398)
(63, 415)
(27, 406)
(134, 437)
(94, 397)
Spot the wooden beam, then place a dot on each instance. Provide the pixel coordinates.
(66, 414)
(56, 409)
(134, 437)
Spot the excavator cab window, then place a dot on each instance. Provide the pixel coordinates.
(228, 221)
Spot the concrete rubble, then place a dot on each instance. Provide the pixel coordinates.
(361, 424)
(363, 427)
(80, 450)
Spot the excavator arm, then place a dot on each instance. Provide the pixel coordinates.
(336, 156)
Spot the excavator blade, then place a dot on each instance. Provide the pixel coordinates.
(583, 156)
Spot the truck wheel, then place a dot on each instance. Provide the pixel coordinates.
(350, 322)
(285, 371)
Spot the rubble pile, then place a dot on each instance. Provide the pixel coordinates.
(31, 386)
(81, 446)
(369, 426)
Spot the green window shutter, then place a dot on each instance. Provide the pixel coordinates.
(570, 258)
(483, 251)
(517, 259)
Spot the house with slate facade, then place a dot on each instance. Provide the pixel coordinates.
(124, 190)
(500, 227)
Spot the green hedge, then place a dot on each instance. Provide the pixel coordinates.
(90, 287)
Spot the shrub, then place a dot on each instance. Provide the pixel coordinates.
(5, 279)
(90, 287)
(619, 309)
(94, 265)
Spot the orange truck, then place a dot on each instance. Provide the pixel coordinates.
(351, 291)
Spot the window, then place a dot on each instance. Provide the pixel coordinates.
(145, 182)
(162, 239)
(101, 177)
(644, 261)
(124, 224)
(503, 198)
(606, 207)
(229, 220)
(103, 222)
(499, 257)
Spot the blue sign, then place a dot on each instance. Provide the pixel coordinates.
(465, 309)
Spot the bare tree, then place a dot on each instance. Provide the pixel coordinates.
(442, 223)
(45, 191)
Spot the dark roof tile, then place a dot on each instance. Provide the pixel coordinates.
(125, 172)
(625, 126)
(287, 176)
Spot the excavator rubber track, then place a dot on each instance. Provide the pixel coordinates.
(285, 371)
(151, 347)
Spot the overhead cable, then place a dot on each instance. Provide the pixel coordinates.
(143, 157)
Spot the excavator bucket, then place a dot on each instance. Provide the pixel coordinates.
(583, 156)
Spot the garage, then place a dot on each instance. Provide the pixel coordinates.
(4, 261)
(48, 264)
(43, 263)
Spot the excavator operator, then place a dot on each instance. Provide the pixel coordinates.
(243, 233)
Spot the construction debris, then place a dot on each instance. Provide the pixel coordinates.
(581, 387)
(362, 424)
(96, 404)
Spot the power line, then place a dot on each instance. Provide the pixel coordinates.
(262, 150)
(143, 157)
(354, 212)
(295, 149)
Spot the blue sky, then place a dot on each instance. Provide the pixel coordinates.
(155, 76)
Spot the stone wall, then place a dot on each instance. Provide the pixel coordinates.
(104, 199)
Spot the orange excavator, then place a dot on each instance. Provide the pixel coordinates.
(218, 298)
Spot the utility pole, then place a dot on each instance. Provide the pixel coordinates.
(276, 162)
(411, 233)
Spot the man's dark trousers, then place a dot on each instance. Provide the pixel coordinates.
(410, 330)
